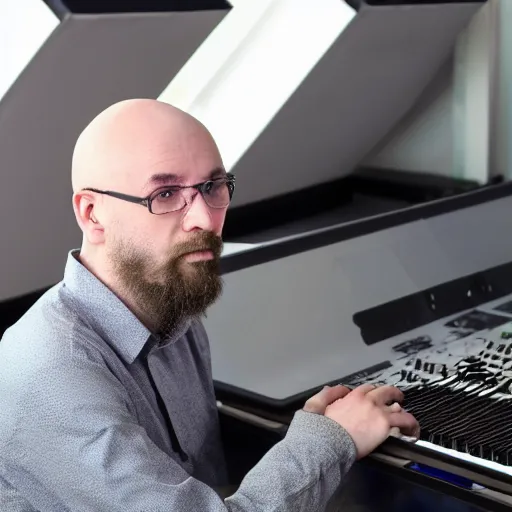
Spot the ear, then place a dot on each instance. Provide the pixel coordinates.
(85, 208)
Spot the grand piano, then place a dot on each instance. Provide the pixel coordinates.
(420, 298)
(335, 271)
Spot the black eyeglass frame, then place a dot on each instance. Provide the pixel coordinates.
(229, 179)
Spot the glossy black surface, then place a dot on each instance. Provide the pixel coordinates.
(420, 2)
(308, 242)
(431, 304)
(62, 7)
(370, 486)
(252, 222)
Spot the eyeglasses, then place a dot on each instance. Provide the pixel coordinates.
(217, 193)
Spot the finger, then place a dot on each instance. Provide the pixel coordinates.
(406, 422)
(384, 395)
(364, 388)
(319, 402)
(394, 407)
(337, 392)
(395, 432)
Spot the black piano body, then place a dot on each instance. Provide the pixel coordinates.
(419, 297)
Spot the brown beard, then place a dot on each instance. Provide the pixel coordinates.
(176, 291)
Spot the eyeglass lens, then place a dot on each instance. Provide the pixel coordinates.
(216, 194)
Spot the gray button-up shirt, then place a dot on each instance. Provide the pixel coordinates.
(95, 416)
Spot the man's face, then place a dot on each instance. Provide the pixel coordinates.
(169, 263)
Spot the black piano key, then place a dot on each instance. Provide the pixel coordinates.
(455, 421)
(460, 405)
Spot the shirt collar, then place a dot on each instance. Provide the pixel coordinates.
(107, 314)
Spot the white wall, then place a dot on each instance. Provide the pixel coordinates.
(452, 130)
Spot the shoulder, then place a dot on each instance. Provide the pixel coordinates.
(49, 366)
(52, 332)
(52, 360)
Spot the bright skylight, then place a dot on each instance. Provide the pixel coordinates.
(24, 27)
(250, 65)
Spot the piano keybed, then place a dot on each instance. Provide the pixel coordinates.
(461, 393)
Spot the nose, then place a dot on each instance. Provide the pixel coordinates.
(198, 215)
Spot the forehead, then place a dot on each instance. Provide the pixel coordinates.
(181, 159)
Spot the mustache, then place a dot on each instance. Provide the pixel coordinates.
(204, 241)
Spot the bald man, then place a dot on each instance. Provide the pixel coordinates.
(106, 394)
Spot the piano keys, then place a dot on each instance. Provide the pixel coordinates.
(459, 387)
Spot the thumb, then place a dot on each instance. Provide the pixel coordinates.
(318, 403)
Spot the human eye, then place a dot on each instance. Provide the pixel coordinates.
(214, 186)
(166, 194)
(208, 186)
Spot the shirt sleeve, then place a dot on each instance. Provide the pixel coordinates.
(78, 446)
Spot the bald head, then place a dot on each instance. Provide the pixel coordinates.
(130, 136)
(134, 148)
(161, 255)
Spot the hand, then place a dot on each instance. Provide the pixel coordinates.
(369, 414)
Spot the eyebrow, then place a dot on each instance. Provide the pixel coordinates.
(163, 179)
